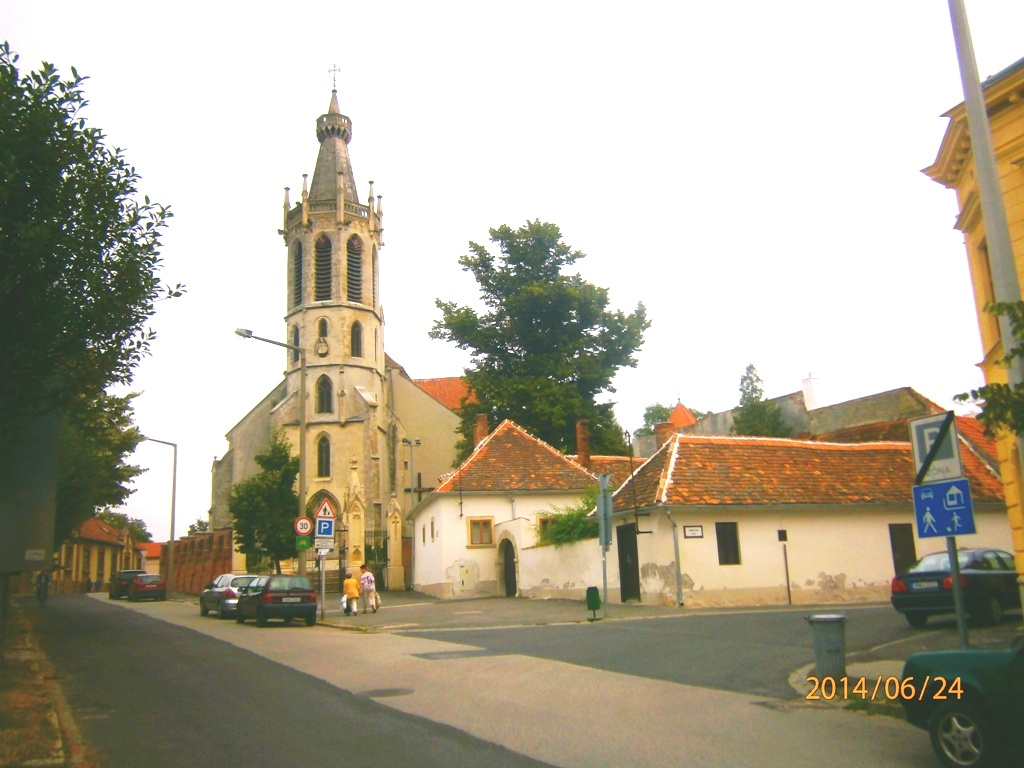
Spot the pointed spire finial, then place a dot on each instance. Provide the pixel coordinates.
(334, 77)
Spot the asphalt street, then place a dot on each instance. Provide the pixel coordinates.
(539, 690)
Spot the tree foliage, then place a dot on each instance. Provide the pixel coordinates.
(573, 522)
(546, 345)
(95, 437)
(756, 416)
(201, 526)
(78, 262)
(121, 521)
(653, 416)
(262, 507)
(1002, 405)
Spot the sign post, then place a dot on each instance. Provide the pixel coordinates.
(324, 543)
(942, 497)
(604, 520)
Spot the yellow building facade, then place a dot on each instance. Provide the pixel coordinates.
(954, 167)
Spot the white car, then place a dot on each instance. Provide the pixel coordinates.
(221, 595)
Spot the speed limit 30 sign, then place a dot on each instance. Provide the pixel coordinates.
(303, 526)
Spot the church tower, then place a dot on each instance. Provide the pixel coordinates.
(333, 312)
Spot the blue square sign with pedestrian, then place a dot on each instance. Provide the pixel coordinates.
(944, 509)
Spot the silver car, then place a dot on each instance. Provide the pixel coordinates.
(221, 595)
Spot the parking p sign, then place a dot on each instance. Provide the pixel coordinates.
(324, 528)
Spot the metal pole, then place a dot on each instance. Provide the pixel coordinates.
(174, 496)
(1005, 283)
(785, 562)
(958, 592)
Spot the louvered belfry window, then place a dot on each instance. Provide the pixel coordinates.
(355, 270)
(297, 274)
(373, 277)
(323, 268)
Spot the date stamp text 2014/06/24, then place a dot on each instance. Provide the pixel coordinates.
(883, 688)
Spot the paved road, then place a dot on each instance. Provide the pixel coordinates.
(543, 709)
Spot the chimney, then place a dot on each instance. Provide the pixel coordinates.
(810, 402)
(663, 433)
(583, 443)
(481, 430)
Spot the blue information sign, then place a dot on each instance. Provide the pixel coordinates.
(324, 527)
(944, 509)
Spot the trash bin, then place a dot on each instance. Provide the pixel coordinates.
(828, 633)
(593, 602)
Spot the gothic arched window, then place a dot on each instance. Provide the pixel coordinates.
(324, 395)
(357, 340)
(323, 269)
(354, 289)
(323, 457)
(295, 343)
(322, 328)
(297, 274)
(373, 268)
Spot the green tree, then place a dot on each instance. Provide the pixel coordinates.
(573, 522)
(653, 416)
(262, 507)
(121, 521)
(1002, 405)
(546, 345)
(756, 416)
(201, 526)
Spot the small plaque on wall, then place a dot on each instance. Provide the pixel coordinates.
(693, 531)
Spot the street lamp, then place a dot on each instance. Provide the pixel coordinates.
(174, 494)
(415, 443)
(245, 333)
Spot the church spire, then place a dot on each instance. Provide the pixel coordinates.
(332, 177)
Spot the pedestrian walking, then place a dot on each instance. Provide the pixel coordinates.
(368, 588)
(350, 589)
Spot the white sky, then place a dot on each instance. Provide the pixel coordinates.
(750, 170)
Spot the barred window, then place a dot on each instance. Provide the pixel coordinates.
(355, 269)
(323, 268)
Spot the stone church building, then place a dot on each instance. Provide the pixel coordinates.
(367, 423)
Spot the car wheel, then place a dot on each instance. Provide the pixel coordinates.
(239, 617)
(203, 610)
(220, 610)
(261, 620)
(310, 621)
(111, 596)
(962, 736)
(917, 620)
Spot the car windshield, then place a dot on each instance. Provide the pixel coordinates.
(285, 583)
(241, 581)
(940, 562)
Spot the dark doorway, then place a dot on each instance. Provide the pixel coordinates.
(901, 539)
(629, 562)
(508, 554)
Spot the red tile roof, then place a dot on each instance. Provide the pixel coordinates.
(619, 467)
(95, 529)
(450, 392)
(511, 459)
(720, 470)
(151, 548)
(681, 416)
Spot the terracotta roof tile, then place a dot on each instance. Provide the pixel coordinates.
(450, 392)
(511, 459)
(95, 529)
(681, 416)
(712, 470)
(619, 467)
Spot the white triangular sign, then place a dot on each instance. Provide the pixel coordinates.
(325, 512)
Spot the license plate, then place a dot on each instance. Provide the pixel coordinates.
(291, 599)
(926, 585)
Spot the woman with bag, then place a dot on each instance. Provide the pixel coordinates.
(349, 595)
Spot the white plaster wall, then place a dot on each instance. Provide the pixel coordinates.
(566, 571)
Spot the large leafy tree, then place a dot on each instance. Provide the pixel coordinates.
(755, 415)
(121, 521)
(546, 345)
(78, 283)
(653, 416)
(1002, 405)
(262, 507)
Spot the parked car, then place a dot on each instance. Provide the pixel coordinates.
(279, 596)
(221, 594)
(988, 577)
(120, 582)
(976, 722)
(147, 586)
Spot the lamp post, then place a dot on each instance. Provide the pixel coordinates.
(174, 494)
(415, 443)
(245, 333)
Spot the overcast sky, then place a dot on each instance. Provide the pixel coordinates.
(748, 170)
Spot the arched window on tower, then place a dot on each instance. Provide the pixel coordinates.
(323, 269)
(356, 345)
(296, 274)
(373, 268)
(295, 343)
(354, 289)
(322, 328)
(323, 457)
(324, 395)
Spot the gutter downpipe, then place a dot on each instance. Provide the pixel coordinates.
(679, 567)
